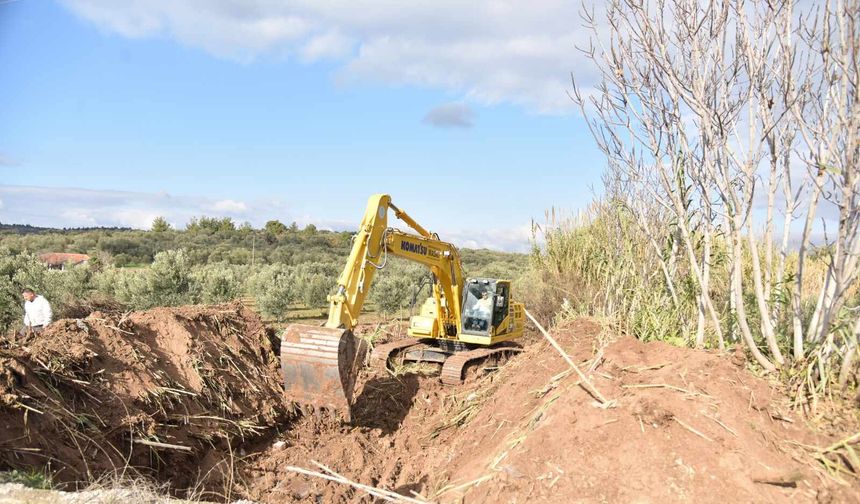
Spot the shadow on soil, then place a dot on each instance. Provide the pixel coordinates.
(384, 402)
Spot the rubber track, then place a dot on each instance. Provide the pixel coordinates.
(381, 353)
(452, 370)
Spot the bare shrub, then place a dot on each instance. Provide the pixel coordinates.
(731, 134)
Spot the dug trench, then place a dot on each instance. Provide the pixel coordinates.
(192, 397)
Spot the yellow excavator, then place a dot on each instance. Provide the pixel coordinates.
(463, 323)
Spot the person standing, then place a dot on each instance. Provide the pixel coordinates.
(37, 312)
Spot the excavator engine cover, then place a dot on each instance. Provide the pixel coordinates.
(319, 365)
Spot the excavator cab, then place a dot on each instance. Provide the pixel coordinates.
(485, 305)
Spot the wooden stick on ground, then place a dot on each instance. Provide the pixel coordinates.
(694, 431)
(168, 446)
(666, 385)
(585, 383)
(464, 485)
(721, 424)
(385, 495)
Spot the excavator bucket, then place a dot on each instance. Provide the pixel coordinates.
(319, 365)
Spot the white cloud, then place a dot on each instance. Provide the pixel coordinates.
(516, 239)
(141, 218)
(490, 51)
(451, 115)
(224, 28)
(81, 217)
(331, 44)
(71, 207)
(229, 206)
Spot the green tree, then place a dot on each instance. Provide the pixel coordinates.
(193, 225)
(275, 228)
(396, 285)
(217, 283)
(210, 224)
(169, 279)
(225, 224)
(160, 225)
(274, 289)
(17, 271)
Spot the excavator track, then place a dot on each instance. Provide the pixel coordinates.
(452, 370)
(381, 353)
(454, 362)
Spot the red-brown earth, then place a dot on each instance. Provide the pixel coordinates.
(92, 396)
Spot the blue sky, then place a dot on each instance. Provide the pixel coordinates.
(114, 112)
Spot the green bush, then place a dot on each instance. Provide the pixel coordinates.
(395, 286)
(315, 281)
(314, 289)
(31, 478)
(167, 282)
(274, 290)
(218, 283)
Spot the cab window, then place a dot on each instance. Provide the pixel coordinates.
(500, 310)
(478, 307)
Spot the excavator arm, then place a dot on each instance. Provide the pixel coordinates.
(319, 364)
(443, 260)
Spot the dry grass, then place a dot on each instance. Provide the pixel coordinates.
(600, 264)
(121, 488)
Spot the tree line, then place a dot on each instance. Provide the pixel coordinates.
(282, 267)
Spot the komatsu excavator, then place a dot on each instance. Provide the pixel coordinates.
(464, 322)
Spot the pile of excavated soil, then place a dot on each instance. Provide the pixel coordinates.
(167, 393)
(684, 425)
(192, 396)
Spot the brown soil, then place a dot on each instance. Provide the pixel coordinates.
(83, 397)
(684, 424)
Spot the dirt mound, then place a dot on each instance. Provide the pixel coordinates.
(167, 392)
(685, 425)
(193, 396)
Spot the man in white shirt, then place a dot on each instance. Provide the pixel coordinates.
(37, 312)
(485, 305)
